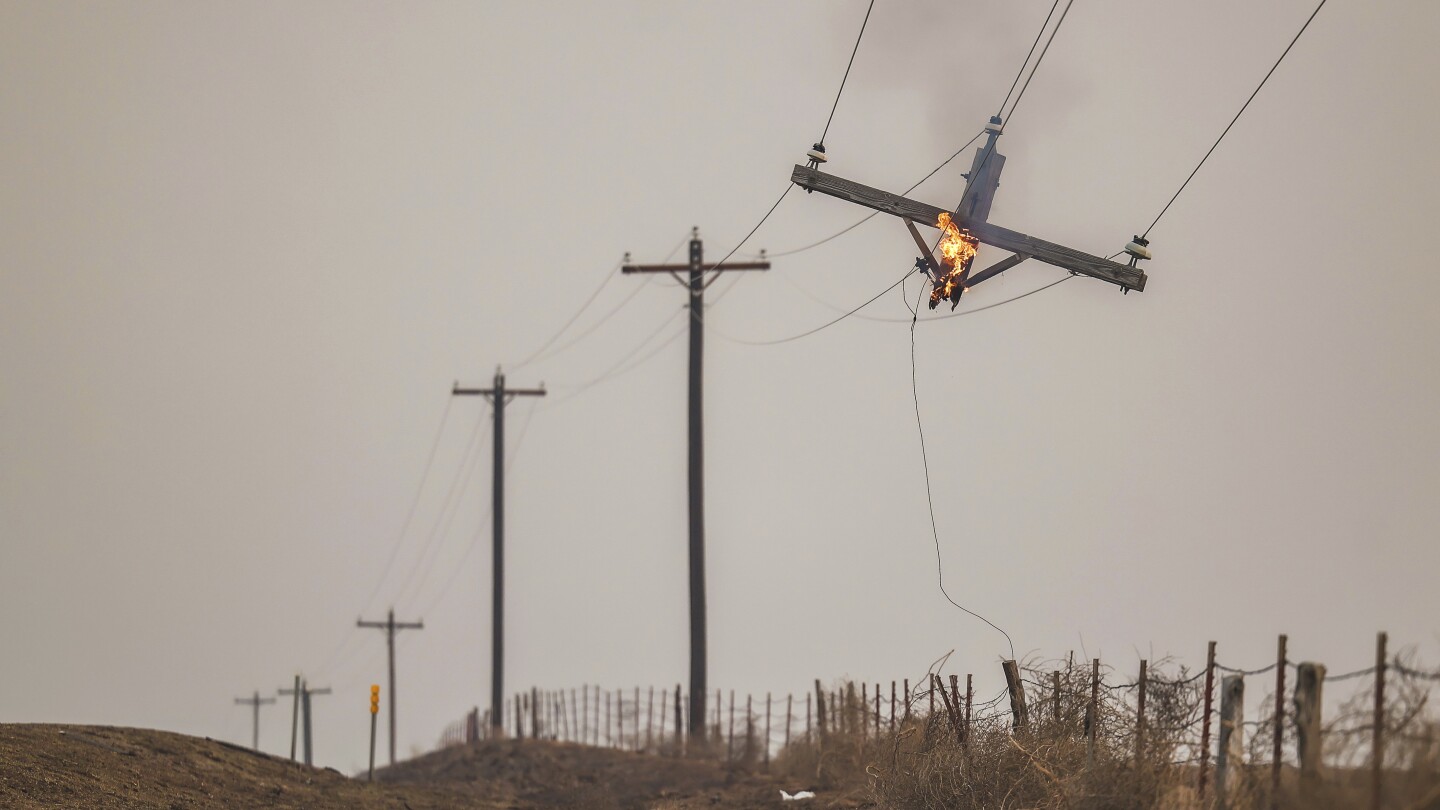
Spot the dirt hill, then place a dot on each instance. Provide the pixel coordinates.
(104, 767)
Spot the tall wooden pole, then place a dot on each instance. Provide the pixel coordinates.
(1279, 755)
(499, 396)
(1377, 740)
(255, 703)
(390, 626)
(696, 285)
(1205, 722)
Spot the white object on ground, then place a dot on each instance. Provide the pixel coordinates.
(795, 797)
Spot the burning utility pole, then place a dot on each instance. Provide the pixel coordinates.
(696, 282)
(964, 230)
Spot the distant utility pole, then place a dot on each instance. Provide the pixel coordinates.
(390, 626)
(303, 691)
(294, 714)
(696, 270)
(499, 396)
(255, 702)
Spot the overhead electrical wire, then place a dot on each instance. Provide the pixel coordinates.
(480, 529)
(929, 497)
(825, 325)
(615, 369)
(1038, 60)
(846, 77)
(1243, 107)
(1021, 71)
(588, 301)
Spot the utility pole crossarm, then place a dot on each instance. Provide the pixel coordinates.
(1124, 276)
(486, 392)
(681, 268)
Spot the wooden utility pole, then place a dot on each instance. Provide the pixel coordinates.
(499, 396)
(971, 219)
(303, 691)
(294, 715)
(255, 702)
(697, 282)
(390, 626)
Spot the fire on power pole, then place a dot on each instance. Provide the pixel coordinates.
(256, 702)
(696, 282)
(499, 396)
(968, 227)
(390, 626)
(303, 692)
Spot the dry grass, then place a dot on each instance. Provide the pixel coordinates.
(1051, 763)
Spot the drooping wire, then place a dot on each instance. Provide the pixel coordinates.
(1021, 71)
(929, 497)
(825, 325)
(414, 503)
(1236, 118)
(588, 301)
(741, 243)
(489, 510)
(618, 367)
(844, 78)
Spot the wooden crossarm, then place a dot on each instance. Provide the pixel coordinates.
(1075, 261)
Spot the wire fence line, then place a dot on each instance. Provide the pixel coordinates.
(1062, 715)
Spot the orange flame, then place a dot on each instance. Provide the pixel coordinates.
(957, 251)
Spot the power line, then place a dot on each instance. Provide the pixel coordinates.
(1038, 60)
(1237, 116)
(844, 78)
(588, 301)
(590, 330)
(1021, 71)
(718, 265)
(826, 325)
(414, 502)
(617, 370)
(929, 497)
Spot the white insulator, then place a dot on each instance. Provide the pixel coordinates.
(1137, 250)
(816, 155)
(993, 126)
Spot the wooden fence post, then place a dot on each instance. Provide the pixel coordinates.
(536, 728)
(907, 700)
(1093, 715)
(1309, 678)
(789, 703)
(1377, 739)
(649, 718)
(679, 724)
(1016, 687)
(584, 713)
(1232, 735)
(1056, 700)
(1278, 759)
(969, 703)
(664, 710)
(730, 738)
(767, 731)
(808, 731)
(819, 711)
(952, 706)
(877, 711)
(574, 719)
(519, 718)
(1142, 683)
(1205, 722)
(865, 711)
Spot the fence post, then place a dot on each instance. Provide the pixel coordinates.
(1205, 722)
(574, 719)
(1093, 715)
(1140, 711)
(1377, 743)
(865, 711)
(969, 702)
(749, 729)
(1309, 679)
(907, 700)
(1016, 688)
(585, 713)
(767, 731)
(877, 711)
(819, 711)
(1056, 701)
(1279, 756)
(1232, 735)
(789, 702)
(679, 724)
(730, 738)
(952, 706)
(807, 717)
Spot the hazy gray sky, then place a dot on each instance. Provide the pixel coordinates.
(245, 249)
